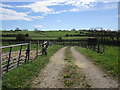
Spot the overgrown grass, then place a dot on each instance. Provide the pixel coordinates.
(72, 75)
(108, 60)
(21, 76)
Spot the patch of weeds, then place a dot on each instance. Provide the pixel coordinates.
(68, 83)
(87, 85)
(66, 76)
(72, 76)
(68, 59)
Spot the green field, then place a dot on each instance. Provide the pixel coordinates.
(46, 34)
(36, 38)
(108, 61)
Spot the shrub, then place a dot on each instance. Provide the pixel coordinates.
(59, 39)
(27, 35)
(20, 37)
(67, 35)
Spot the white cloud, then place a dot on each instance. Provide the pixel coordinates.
(38, 26)
(74, 10)
(56, 0)
(4, 5)
(58, 12)
(40, 6)
(79, 3)
(37, 17)
(44, 6)
(107, 1)
(8, 14)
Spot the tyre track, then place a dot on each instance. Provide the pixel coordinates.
(96, 77)
(50, 76)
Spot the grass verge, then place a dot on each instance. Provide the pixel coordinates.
(21, 76)
(108, 60)
(72, 75)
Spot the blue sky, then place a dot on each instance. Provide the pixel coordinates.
(59, 14)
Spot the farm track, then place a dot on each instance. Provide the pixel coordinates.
(50, 76)
(95, 76)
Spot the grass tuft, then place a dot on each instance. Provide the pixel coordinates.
(72, 76)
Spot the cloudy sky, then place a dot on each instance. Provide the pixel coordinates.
(59, 14)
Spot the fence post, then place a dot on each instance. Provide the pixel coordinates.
(98, 48)
(26, 55)
(37, 48)
(9, 58)
(1, 63)
(103, 48)
(28, 51)
(104, 43)
(19, 55)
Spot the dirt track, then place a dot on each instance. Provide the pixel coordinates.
(96, 77)
(50, 77)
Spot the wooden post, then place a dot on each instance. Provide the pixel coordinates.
(1, 63)
(19, 55)
(103, 48)
(26, 56)
(9, 58)
(98, 48)
(28, 51)
(37, 48)
(104, 43)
